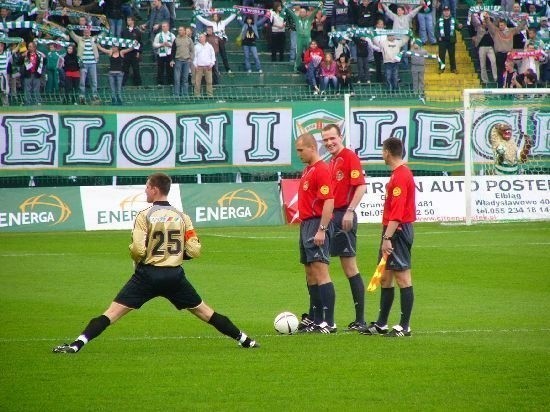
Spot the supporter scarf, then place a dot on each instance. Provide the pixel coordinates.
(40, 57)
(538, 3)
(426, 56)
(74, 27)
(209, 12)
(56, 31)
(256, 11)
(442, 27)
(538, 54)
(303, 4)
(10, 40)
(122, 43)
(408, 2)
(18, 25)
(61, 43)
(18, 6)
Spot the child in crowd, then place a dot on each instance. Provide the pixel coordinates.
(418, 68)
(344, 75)
(328, 73)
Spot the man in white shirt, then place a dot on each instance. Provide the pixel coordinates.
(163, 46)
(204, 60)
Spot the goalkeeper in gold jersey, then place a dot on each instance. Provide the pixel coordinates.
(161, 239)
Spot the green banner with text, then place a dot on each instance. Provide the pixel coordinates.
(247, 138)
(229, 204)
(40, 210)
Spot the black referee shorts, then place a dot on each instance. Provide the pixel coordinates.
(402, 241)
(149, 281)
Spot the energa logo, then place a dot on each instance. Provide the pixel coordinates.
(238, 204)
(44, 208)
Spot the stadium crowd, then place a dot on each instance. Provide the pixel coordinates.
(53, 46)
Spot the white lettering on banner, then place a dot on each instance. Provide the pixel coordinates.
(25, 218)
(81, 151)
(493, 198)
(29, 140)
(198, 144)
(438, 136)
(263, 133)
(146, 141)
(370, 131)
(207, 214)
(115, 216)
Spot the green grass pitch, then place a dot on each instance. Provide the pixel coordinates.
(481, 329)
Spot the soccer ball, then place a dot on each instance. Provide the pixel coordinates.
(286, 323)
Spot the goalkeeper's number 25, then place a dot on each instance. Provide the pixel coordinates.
(171, 238)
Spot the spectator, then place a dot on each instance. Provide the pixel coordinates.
(402, 21)
(312, 58)
(425, 22)
(364, 50)
(447, 38)
(319, 29)
(418, 68)
(219, 27)
(342, 49)
(533, 60)
(390, 47)
(116, 74)
(303, 21)
(377, 50)
(89, 56)
(327, 73)
(530, 79)
(510, 78)
(249, 35)
(201, 6)
(343, 72)
(342, 18)
(132, 58)
(503, 41)
(203, 61)
(484, 43)
(215, 43)
(163, 46)
(5, 67)
(278, 27)
(182, 55)
(71, 67)
(113, 12)
(54, 62)
(158, 14)
(290, 23)
(367, 13)
(33, 67)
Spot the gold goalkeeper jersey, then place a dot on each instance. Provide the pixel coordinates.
(163, 236)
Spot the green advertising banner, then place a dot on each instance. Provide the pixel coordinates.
(247, 138)
(40, 210)
(227, 204)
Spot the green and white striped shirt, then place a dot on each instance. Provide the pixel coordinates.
(88, 56)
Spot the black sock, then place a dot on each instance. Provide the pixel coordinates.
(225, 326)
(358, 293)
(316, 302)
(386, 301)
(407, 299)
(311, 312)
(95, 327)
(328, 298)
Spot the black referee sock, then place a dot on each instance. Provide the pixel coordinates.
(386, 302)
(225, 326)
(328, 298)
(358, 293)
(407, 300)
(94, 328)
(316, 305)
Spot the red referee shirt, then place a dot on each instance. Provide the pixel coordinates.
(315, 188)
(400, 194)
(347, 173)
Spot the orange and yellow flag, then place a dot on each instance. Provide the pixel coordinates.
(375, 280)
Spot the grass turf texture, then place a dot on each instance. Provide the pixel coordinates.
(481, 335)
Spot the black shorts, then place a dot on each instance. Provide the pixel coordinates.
(343, 243)
(148, 282)
(309, 251)
(402, 241)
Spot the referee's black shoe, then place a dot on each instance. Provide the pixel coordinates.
(374, 329)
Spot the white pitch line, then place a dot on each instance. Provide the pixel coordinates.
(151, 338)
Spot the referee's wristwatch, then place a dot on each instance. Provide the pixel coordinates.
(384, 237)
(323, 228)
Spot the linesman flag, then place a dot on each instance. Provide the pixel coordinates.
(375, 280)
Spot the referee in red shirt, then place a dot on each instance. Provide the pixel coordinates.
(397, 239)
(349, 187)
(315, 206)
